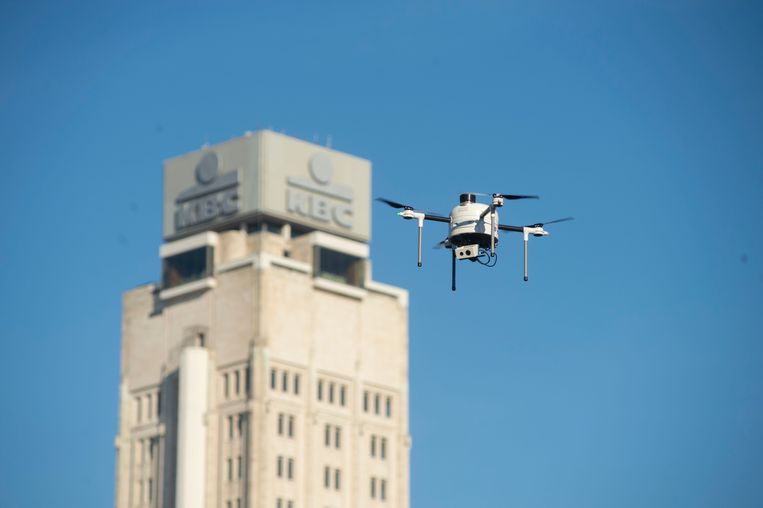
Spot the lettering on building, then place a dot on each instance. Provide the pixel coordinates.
(215, 195)
(317, 198)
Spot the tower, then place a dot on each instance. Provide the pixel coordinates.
(267, 369)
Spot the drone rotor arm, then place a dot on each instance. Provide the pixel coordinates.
(436, 218)
(514, 229)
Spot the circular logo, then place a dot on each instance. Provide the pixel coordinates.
(207, 168)
(321, 168)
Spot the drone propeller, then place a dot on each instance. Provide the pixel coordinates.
(541, 224)
(517, 196)
(506, 196)
(395, 204)
(441, 244)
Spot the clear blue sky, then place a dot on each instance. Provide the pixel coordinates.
(628, 372)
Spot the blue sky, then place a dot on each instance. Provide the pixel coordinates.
(628, 372)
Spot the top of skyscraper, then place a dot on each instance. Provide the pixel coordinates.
(267, 175)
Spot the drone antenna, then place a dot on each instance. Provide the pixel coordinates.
(453, 272)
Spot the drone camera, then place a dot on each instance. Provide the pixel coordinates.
(467, 251)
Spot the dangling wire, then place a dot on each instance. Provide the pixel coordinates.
(486, 259)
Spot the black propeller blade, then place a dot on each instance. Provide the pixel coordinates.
(507, 196)
(518, 196)
(441, 244)
(541, 224)
(395, 204)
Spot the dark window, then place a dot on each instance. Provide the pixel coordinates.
(187, 266)
(338, 266)
(297, 231)
(270, 227)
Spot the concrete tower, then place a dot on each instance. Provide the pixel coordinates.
(267, 369)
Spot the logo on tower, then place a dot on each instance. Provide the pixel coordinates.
(215, 195)
(317, 197)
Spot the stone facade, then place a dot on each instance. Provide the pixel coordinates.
(306, 401)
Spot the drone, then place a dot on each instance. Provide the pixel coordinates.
(473, 228)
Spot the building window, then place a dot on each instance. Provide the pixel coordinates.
(289, 504)
(246, 379)
(327, 436)
(383, 448)
(230, 469)
(389, 407)
(237, 376)
(187, 266)
(327, 477)
(337, 479)
(279, 466)
(273, 375)
(377, 403)
(338, 266)
(285, 381)
(331, 393)
(280, 424)
(342, 395)
(240, 467)
(320, 389)
(383, 489)
(225, 385)
(230, 427)
(149, 407)
(365, 401)
(279, 503)
(337, 437)
(291, 426)
(296, 384)
(241, 420)
(290, 469)
(373, 446)
(373, 488)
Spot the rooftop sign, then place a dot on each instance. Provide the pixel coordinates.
(271, 174)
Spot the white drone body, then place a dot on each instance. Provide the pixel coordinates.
(473, 228)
